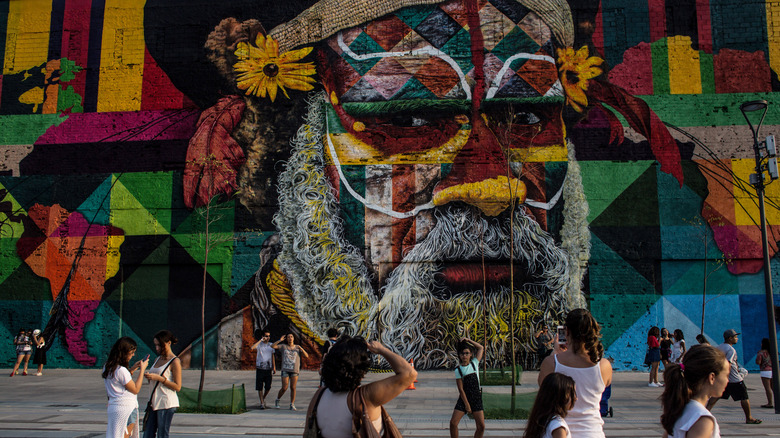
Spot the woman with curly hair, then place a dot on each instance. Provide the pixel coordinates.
(122, 390)
(343, 369)
(581, 358)
(703, 373)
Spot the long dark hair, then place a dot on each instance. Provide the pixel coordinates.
(678, 335)
(681, 383)
(654, 331)
(585, 334)
(765, 344)
(118, 356)
(345, 364)
(555, 397)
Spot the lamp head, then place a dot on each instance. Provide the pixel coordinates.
(753, 105)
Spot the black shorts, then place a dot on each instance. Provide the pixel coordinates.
(263, 377)
(737, 391)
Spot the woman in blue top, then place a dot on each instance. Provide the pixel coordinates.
(467, 379)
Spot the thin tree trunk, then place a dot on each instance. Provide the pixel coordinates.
(203, 311)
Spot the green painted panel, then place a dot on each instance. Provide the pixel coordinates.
(683, 277)
(659, 52)
(604, 181)
(25, 129)
(617, 313)
(352, 211)
(707, 70)
(611, 275)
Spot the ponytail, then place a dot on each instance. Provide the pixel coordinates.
(682, 382)
(585, 333)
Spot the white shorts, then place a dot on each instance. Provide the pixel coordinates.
(766, 374)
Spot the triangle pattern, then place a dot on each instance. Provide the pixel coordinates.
(98, 203)
(720, 313)
(611, 272)
(130, 215)
(630, 346)
(604, 181)
(100, 335)
(153, 191)
(636, 205)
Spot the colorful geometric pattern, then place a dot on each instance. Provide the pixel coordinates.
(94, 133)
(370, 67)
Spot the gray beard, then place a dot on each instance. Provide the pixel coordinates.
(414, 314)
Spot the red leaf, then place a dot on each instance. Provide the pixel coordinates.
(213, 155)
(643, 120)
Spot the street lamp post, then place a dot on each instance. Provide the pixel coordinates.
(757, 181)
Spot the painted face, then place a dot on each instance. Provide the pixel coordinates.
(437, 155)
(441, 105)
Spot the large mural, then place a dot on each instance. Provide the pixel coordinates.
(407, 170)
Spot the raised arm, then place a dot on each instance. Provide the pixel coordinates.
(382, 391)
(480, 348)
(303, 352)
(275, 345)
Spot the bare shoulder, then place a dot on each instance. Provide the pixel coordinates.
(606, 371)
(547, 367)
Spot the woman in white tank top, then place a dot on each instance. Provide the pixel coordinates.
(703, 373)
(581, 358)
(167, 371)
(343, 369)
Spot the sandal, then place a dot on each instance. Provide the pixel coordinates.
(768, 406)
(753, 421)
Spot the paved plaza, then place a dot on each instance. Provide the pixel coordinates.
(72, 403)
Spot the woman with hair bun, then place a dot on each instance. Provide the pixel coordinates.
(343, 369)
(703, 373)
(581, 358)
(166, 371)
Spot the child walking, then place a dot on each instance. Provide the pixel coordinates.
(554, 400)
(467, 379)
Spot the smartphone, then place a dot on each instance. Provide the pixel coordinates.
(147, 357)
(561, 335)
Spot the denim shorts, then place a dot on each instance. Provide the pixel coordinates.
(289, 374)
(133, 417)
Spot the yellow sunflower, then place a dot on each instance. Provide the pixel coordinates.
(262, 70)
(576, 69)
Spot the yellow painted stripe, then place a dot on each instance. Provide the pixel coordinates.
(113, 255)
(27, 36)
(122, 56)
(773, 33)
(746, 211)
(684, 69)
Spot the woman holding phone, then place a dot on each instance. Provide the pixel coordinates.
(166, 371)
(579, 355)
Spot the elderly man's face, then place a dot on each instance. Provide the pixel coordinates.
(438, 105)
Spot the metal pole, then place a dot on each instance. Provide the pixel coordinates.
(758, 183)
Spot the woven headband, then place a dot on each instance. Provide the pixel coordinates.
(327, 17)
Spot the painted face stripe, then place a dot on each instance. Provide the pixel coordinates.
(158, 92)
(75, 40)
(4, 6)
(378, 232)
(93, 56)
(352, 209)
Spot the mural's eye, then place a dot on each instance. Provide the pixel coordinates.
(408, 121)
(525, 118)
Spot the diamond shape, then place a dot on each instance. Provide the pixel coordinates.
(516, 41)
(437, 76)
(387, 77)
(539, 74)
(494, 27)
(414, 15)
(438, 28)
(387, 31)
(363, 45)
(511, 8)
(459, 48)
(362, 91)
(414, 89)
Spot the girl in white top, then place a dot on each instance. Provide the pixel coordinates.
(581, 358)
(343, 369)
(122, 390)
(703, 373)
(167, 371)
(556, 397)
(678, 348)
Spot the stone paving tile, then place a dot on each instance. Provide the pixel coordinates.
(71, 403)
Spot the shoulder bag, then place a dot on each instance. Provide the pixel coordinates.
(361, 424)
(311, 429)
(149, 411)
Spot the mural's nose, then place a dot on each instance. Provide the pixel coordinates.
(480, 174)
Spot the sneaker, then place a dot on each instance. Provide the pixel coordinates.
(276, 404)
(292, 407)
(652, 385)
(660, 385)
(38, 374)
(12, 374)
(262, 406)
(24, 373)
